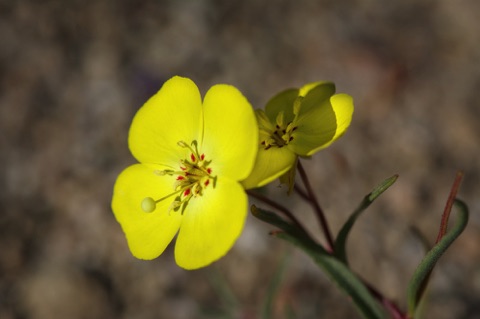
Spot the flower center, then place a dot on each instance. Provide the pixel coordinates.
(282, 133)
(281, 136)
(191, 180)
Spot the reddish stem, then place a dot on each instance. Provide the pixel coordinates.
(314, 202)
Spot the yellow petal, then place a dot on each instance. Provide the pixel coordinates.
(282, 102)
(173, 114)
(269, 165)
(315, 129)
(148, 234)
(304, 90)
(211, 224)
(315, 95)
(343, 108)
(230, 132)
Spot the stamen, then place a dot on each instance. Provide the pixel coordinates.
(279, 119)
(189, 181)
(164, 172)
(296, 105)
(174, 205)
(264, 122)
(185, 145)
(194, 143)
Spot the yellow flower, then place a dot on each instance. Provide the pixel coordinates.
(192, 157)
(298, 122)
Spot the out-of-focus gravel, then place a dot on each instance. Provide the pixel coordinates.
(73, 73)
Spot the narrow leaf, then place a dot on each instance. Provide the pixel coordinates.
(275, 220)
(341, 240)
(426, 266)
(448, 206)
(345, 279)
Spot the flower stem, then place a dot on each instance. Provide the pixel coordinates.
(301, 192)
(312, 199)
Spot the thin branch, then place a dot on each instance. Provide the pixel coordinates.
(301, 192)
(312, 199)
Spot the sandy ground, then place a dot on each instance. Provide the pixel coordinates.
(73, 73)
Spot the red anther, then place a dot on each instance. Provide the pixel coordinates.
(183, 168)
(186, 192)
(207, 182)
(193, 158)
(202, 157)
(179, 178)
(209, 170)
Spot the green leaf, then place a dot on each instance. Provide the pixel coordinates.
(345, 279)
(424, 269)
(275, 220)
(341, 240)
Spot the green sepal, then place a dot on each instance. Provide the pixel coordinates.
(341, 240)
(422, 273)
(336, 270)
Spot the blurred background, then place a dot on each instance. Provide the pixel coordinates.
(73, 74)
